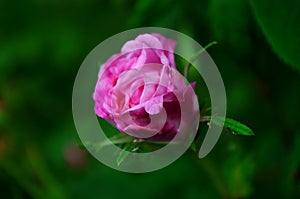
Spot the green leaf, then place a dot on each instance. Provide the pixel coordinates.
(234, 126)
(237, 127)
(279, 21)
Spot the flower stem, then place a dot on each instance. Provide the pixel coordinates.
(195, 56)
(209, 167)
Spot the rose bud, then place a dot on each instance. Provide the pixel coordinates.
(140, 90)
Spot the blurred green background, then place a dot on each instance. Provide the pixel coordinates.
(43, 43)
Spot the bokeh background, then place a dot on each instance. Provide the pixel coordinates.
(42, 45)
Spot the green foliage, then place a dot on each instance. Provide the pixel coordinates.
(232, 125)
(279, 21)
(235, 126)
(238, 173)
(230, 24)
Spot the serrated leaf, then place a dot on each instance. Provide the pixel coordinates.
(237, 127)
(234, 126)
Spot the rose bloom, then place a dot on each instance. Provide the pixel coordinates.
(140, 91)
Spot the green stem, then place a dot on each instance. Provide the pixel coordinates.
(40, 169)
(210, 168)
(194, 57)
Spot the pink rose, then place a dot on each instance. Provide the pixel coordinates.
(140, 90)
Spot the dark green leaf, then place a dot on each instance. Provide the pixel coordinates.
(279, 21)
